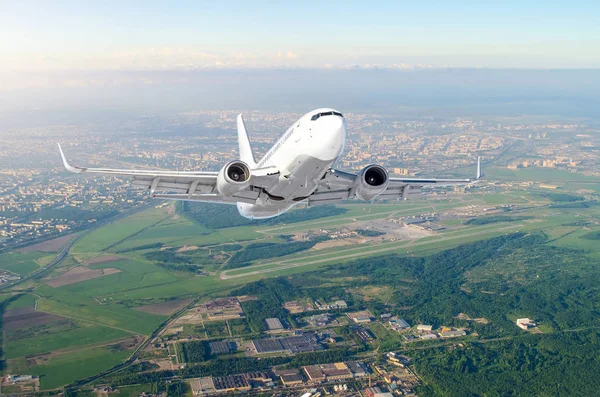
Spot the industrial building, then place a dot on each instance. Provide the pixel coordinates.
(292, 344)
(222, 347)
(273, 324)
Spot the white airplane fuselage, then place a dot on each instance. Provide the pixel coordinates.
(303, 154)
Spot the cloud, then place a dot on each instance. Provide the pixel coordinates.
(286, 55)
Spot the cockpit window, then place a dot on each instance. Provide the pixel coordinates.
(316, 116)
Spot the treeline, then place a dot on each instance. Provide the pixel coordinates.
(259, 251)
(216, 216)
(237, 365)
(575, 205)
(181, 267)
(495, 219)
(222, 367)
(171, 260)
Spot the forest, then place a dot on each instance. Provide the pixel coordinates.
(533, 365)
(512, 275)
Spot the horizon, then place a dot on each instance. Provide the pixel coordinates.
(67, 35)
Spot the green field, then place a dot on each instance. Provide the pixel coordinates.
(21, 264)
(66, 368)
(45, 343)
(64, 303)
(113, 233)
(26, 300)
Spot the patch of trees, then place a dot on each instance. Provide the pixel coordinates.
(369, 233)
(169, 259)
(195, 352)
(228, 248)
(167, 255)
(562, 197)
(257, 311)
(216, 216)
(592, 236)
(181, 267)
(259, 251)
(495, 219)
(177, 389)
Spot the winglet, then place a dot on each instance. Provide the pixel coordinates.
(478, 167)
(68, 166)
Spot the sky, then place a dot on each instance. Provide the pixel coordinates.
(55, 35)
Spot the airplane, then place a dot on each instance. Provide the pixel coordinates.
(297, 169)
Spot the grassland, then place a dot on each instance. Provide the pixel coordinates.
(113, 233)
(62, 302)
(66, 368)
(84, 335)
(21, 264)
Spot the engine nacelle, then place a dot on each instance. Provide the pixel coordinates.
(371, 182)
(233, 178)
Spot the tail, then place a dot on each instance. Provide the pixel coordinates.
(245, 149)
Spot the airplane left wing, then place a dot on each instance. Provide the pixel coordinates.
(339, 185)
(185, 185)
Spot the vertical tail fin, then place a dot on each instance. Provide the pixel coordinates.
(244, 143)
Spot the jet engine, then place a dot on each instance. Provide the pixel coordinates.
(233, 178)
(371, 182)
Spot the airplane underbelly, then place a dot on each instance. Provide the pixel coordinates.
(264, 209)
(300, 178)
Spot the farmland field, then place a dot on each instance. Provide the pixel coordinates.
(65, 368)
(20, 263)
(46, 343)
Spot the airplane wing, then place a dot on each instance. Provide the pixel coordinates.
(186, 185)
(340, 185)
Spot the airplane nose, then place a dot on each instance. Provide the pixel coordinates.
(333, 127)
(331, 137)
(332, 123)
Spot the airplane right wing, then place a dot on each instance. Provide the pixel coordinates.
(339, 185)
(186, 185)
